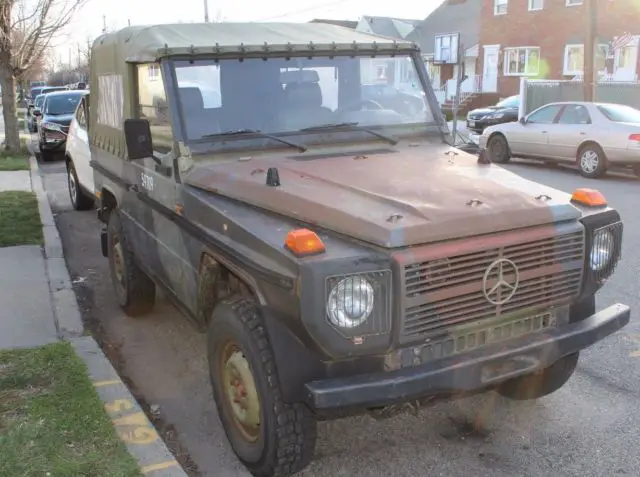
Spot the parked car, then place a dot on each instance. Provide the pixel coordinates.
(36, 114)
(594, 136)
(328, 284)
(35, 92)
(58, 109)
(77, 157)
(504, 111)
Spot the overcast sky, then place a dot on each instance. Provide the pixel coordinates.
(88, 22)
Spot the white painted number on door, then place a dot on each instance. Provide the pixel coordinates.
(147, 181)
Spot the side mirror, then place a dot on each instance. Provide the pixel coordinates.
(137, 133)
(522, 120)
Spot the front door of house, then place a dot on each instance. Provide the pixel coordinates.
(490, 69)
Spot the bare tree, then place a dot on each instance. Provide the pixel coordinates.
(27, 29)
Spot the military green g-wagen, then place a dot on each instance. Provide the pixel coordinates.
(290, 188)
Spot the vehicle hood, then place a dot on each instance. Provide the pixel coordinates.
(62, 119)
(393, 199)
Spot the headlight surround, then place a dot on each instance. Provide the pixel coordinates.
(350, 302)
(602, 249)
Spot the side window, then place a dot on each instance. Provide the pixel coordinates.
(575, 114)
(153, 106)
(545, 115)
(81, 115)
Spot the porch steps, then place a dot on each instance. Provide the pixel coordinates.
(470, 102)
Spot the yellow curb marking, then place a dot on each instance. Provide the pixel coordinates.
(634, 339)
(161, 466)
(133, 428)
(108, 382)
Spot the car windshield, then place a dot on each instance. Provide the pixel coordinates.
(281, 96)
(510, 102)
(62, 104)
(619, 113)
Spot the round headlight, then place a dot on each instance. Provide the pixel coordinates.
(601, 250)
(350, 302)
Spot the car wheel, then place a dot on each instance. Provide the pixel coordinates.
(79, 199)
(592, 161)
(135, 291)
(498, 149)
(269, 436)
(542, 382)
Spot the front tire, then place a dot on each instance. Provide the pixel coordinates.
(79, 199)
(541, 383)
(270, 437)
(592, 161)
(135, 291)
(498, 149)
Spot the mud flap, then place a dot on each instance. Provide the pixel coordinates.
(103, 242)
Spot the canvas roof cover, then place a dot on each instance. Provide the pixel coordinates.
(149, 43)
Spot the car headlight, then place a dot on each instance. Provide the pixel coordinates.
(601, 250)
(51, 126)
(350, 302)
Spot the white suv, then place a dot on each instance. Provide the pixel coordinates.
(77, 158)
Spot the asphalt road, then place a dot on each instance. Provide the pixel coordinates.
(591, 427)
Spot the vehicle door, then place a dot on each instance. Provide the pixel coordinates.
(163, 246)
(81, 154)
(569, 131)
(532, 137)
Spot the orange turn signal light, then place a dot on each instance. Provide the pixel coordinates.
(304, 242)
(589, 197)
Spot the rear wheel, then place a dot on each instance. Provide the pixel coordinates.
(269, 436)
(79, 199)
(592, 161)
(135, 291)
(498, 149)
(542, 382)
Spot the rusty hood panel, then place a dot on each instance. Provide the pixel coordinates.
(408, 197)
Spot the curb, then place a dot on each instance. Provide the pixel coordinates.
(63, 299)
(131, 423)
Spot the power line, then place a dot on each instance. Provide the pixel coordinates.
(304, 10)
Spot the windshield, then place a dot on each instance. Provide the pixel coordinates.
(619, 113)
(285, 96)
(510, 102)
(62, 104)
(39, 100)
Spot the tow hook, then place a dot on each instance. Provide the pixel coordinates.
(103, 242)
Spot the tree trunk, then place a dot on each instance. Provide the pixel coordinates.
(11, 133)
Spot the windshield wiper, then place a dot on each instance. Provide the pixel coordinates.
(238, 132)
(351, 127)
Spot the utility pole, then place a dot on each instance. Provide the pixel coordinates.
(206, 11)
(104, 24)
(590, 73)
(79, 56)
(459, 80)
(70, 64)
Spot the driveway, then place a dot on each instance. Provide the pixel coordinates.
(590, 428)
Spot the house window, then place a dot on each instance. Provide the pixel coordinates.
(153, 72)
(571, 3)
(500, 7)
(536, 5)
(521, 61)
(574, 59)
(446, 48)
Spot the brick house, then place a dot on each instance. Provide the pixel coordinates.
(545, 39)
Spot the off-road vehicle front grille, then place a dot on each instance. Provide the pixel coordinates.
(448, 292)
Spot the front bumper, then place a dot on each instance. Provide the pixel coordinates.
(476, 370)
(57, 145)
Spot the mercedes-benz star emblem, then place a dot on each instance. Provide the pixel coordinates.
(505, 272)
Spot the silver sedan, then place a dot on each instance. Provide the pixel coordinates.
(594, 136)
